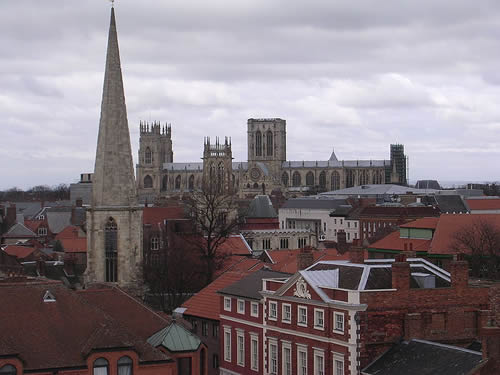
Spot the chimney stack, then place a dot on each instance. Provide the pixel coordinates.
(305, 258)
(459, 270)
(341, 241)
(490, 334)
(357, 254)
(401, 273)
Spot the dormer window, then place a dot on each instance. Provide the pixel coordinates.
(8, 370)
(42, 231)
(49, 297)
(101, 366)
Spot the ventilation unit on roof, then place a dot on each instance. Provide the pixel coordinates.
(49, 297)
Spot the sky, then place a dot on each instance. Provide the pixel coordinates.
(354, 76)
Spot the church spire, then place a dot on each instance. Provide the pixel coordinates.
(114, 181)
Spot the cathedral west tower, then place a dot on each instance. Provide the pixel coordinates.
(114, 220)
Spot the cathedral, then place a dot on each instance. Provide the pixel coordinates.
(266, 169)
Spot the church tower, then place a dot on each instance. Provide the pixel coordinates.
(114, 220)
(155, 149)
(217, 166)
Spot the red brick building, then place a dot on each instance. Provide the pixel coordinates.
(336, 317)
(47, 328)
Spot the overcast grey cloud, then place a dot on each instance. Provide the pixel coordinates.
(350, 75)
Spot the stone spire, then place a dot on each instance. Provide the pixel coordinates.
(113, 181)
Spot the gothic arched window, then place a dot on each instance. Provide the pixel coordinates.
(284, 179)
(125, 366)
(148, 156)
(377, 177)
(322, 179)
(101, 366)
(220, 177)
(164, 183)
(178, 182)
(310, 179)
(269, 143)
(258, 143)
(148, 182)
(111, 250)
(335, 180)
(363, 178)
(351, 178)
(296, 180)
(191, 182)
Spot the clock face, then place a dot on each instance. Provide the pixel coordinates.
(255, 174)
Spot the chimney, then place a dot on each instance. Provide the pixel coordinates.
(490, 334)
(11, 215)
(401, 273)
(341, 241)
(305, 258)
(459, 270)
(357, 254)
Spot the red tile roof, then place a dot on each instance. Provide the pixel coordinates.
(393, 242)
(235, 244)
(73, 240)
(62, 333)
(19, 252)
(286, 260)
(424, 223)
(484, 204)
(155, 215)
(449, 224)
(206, 303)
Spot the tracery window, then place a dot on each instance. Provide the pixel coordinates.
(363, 178)
(258, 143)
(269, 143)
(351, 178)
(111, 250)
(322, 179)
(148, 182)
(191, 182)
(335, 180)
(178, 182)
(148, 156)
(296, 180)
(164, 183)
(284, 179)
(310, 179)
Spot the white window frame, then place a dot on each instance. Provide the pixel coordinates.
(301, 349)
(239, 302)
(338, 358)
(286, 345)
(254, 353)
(316, 320)
(299, 323)
(270, 368)
(240, 351)
(227, 344)
(42, 231)
(335, 315)
(252, 305)
(319, 370)
(275, 304)
(284, 319)
(227, 303)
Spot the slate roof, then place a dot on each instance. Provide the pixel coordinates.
(50, 335)
(451, 204)
(261, 207)
(251, 285)
(427, 184)
(314, 203)
(28, 209)
(379, 190)
(19, 230)
(419, 357)
(175, 338)
(58, 219)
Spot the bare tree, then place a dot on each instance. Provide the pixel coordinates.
(480, 239)
(215, 216)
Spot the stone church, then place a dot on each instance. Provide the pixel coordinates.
(114, 218)
(266, 169)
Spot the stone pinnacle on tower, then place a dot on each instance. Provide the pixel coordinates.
(114, 181)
